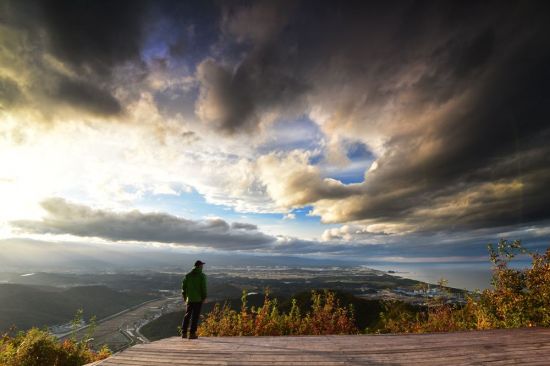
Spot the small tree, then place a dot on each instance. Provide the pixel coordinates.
(519, 298)
(326, 316)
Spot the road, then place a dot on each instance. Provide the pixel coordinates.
(121, 330)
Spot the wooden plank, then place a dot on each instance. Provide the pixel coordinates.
(498, 347)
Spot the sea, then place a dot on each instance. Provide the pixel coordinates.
(470, 276)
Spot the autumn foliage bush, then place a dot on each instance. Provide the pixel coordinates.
(519, 298)
(326, 316)
(37, 347)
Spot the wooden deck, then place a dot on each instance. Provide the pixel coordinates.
(495, 347)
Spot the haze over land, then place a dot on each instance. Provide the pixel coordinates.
(390, 132)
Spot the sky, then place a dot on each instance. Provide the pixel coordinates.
(375, 131)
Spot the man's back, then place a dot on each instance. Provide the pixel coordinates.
(194, 286)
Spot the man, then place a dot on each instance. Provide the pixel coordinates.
(193, 290)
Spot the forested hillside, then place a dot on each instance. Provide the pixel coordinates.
(27, 306)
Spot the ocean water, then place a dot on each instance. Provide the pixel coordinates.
(470, 276)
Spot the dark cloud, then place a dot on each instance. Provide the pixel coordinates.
(455, 92)
(496, 136)
(86, 40)
(177, 48)
(94, 34)
(88, 97)
(243, 226)
(239, 92)
(10, 94)
(69, 218)
(258, 21)
(238, 100)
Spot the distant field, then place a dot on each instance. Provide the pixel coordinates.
(26, 306)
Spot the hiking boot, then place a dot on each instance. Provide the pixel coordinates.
(193, 336)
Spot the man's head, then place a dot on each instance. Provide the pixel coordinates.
(199, 264)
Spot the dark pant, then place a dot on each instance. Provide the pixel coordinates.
(192, 312)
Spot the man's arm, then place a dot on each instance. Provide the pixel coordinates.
(203, 287)
(184, 287)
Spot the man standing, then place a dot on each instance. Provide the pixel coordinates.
(193, 290)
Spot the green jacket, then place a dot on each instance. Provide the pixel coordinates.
(193, 286)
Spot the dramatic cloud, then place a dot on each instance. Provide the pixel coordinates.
(68, 52)
(68, 218)
(9, 93)
(92, 34)
(444, 97)
(292, 182)
(243, 226)
(364, 122)
(88, 97)
(240, 100)
(257, 22)
(241, 97)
